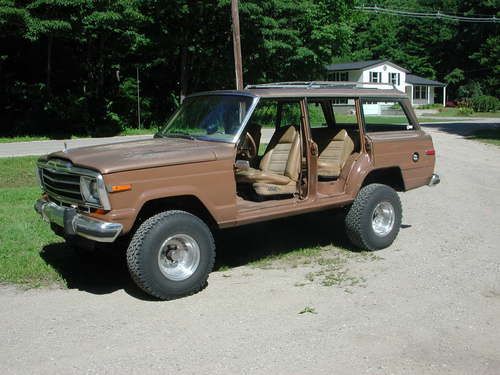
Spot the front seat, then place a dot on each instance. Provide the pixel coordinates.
(278, 171)
(333, 154)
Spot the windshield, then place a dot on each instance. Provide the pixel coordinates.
(209, 117)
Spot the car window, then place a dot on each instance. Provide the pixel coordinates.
(385, 116)
(209, 117)
(290, 114)
(265, 114)
(344, 111)
(316, 115)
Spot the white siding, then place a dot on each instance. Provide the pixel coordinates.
(384, 69)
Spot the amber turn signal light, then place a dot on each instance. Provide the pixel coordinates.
(118, 188)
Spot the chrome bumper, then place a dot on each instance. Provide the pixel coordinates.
(434, 180)
(78, 224)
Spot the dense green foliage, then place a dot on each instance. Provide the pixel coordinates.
(69, 66)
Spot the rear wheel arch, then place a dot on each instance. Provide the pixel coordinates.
(391, 176)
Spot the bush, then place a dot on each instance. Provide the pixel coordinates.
(470, 90)
(485, 103)
(465, 111)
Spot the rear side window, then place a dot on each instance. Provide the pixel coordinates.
(344, 112)
(385, 116)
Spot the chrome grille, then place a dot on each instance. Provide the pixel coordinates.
(61, 185)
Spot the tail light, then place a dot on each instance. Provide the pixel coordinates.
(430, 152)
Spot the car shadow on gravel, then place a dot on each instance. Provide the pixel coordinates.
(250, 243)
(100, 272)
(105, 271)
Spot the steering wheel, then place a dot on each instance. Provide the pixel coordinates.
(247, 149)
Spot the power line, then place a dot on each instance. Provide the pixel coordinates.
(437, 15)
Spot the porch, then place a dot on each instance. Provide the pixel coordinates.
(423, 91)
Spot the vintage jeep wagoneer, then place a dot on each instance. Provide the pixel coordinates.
(229, 158)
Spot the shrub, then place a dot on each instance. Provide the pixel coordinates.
(465, 111)
(485, 103)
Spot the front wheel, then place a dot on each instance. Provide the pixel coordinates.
(171, 255)
(374, 219)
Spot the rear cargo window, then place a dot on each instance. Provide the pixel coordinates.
(385, 116)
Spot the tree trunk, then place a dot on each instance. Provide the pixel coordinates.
(184, 72)
(50, 42)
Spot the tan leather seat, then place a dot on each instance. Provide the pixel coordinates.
(333, 153)
(279, 168)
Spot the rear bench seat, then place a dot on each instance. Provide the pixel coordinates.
(334, 147)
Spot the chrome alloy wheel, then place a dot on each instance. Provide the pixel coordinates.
(383, 218)
(179, 257)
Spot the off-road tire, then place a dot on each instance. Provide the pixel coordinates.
(358, 221)
(142, 254)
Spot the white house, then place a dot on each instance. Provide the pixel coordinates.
(420, 90)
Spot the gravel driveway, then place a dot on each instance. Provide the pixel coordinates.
(429, 304)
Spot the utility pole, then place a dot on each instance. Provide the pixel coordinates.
(238, 65)
(138, 99)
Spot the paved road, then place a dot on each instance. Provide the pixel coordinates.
(430, 304)
(46, 147)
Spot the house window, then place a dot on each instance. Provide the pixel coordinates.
(419, 92)
(375, 77)
(339, 76)
(339, 101)
(394, 78)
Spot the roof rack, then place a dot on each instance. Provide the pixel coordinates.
(322, 84)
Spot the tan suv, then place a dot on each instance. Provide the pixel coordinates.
(229, 158)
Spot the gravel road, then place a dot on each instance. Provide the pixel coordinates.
(430, 304)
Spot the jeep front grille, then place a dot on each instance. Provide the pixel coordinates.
(60, 179)
(62, 186)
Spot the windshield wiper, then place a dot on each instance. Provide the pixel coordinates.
(179, 135)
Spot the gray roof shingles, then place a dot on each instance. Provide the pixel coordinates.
(416, 80)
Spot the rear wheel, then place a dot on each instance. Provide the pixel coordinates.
(374, 219)
(171, 255)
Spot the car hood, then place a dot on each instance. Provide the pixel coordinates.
(157, 152)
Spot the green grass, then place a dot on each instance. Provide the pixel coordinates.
(22, 233)
(491, 136)
(25, 138)
(135, 131)
(18, 172)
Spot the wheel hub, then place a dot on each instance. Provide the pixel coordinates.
(383, 218)
(179, 257)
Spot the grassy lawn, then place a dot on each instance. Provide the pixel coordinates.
(491, 136)
(22, 233)
(25, 138)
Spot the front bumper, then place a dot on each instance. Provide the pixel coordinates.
(434, 180)
(78, 224)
